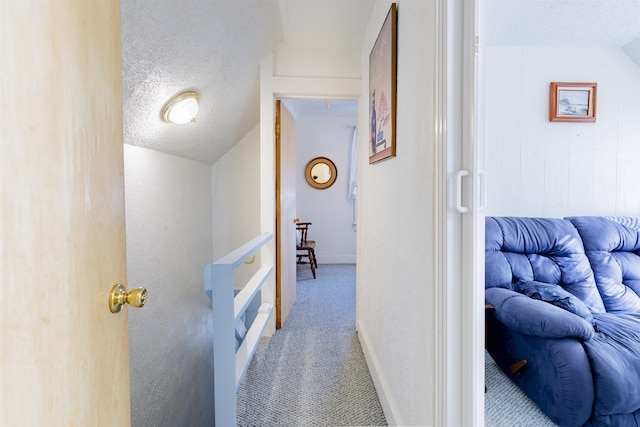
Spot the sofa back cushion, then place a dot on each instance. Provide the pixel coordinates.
(612, 245)
(548, 250)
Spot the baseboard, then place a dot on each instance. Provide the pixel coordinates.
(336, 259)
(377, 376)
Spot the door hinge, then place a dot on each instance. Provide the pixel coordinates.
(277, 302)
(277, 129)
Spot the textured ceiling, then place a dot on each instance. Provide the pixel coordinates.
(215, 47)
(560, 23)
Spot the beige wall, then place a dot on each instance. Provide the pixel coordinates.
(396, 225)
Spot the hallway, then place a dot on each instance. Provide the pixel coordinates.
(312, 371)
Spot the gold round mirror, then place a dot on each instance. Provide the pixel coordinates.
(321, 173)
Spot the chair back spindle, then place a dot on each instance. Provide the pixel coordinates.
(305, 249)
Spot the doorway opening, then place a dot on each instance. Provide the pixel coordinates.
(324, 128)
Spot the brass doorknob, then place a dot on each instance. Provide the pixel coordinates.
(296, 219)
(119, 297)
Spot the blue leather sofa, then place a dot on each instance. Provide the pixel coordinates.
(566, 298)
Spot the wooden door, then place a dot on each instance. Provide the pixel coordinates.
(63, 356)
(285, 213)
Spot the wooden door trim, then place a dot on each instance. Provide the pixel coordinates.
(278, 238)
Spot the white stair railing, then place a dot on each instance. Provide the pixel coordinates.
(229, 314)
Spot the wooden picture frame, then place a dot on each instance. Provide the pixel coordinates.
(382, 90)
(572, 102)
(321, 173)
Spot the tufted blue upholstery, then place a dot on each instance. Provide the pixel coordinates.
(547, 250)
(578, 375)
(614, 356)
(613, 247)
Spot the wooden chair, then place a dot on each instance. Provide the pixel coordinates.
(305, 249)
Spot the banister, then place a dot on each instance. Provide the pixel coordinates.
(230, 365)
(237, 256)
(244, 297)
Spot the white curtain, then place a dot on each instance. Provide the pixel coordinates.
(353, 167)
(352, 194)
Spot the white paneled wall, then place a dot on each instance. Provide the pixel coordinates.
(539, 168)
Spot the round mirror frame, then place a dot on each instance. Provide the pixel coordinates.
(309, 177)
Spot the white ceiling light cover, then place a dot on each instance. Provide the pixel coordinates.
(182, 108)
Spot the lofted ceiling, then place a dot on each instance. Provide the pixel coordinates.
(215, 47)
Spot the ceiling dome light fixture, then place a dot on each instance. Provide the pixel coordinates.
(182, 108)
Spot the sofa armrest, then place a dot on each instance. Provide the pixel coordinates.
(536, 318)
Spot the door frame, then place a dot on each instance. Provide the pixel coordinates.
(460, 331)
(472, 226)
(274, 87)
(465, 315)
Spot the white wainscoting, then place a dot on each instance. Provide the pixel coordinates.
(539, 168)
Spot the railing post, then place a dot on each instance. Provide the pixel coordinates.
(220, 279)
(229, 364)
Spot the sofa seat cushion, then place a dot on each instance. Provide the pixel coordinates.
(612, 245)
(614, 355)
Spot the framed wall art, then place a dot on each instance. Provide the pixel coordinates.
(572, 102)
(382, 90)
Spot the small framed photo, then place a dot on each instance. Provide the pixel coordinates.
(572, 102)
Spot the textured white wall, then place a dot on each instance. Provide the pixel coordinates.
(316, 61)
(236, 201)
(168, 225)
(329, 210)
(538, 168)
(396, 228)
